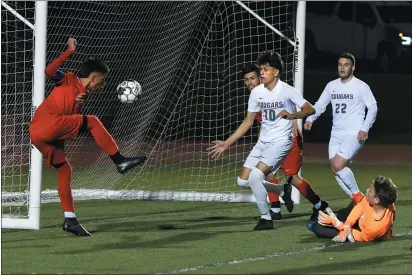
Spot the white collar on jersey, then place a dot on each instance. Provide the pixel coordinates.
(276, 88)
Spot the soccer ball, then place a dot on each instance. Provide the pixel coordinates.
(128, 91)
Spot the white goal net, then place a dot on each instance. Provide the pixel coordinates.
(187, 56)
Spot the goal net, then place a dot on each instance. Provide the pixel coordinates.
(187, 56)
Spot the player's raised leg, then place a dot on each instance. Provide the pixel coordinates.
(107, 143)
(70, 126)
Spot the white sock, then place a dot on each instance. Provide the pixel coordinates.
(343, 186)
(69, 215)
(266, 217)
(318, 204)
(275, 210)
(348, 178)
(256, 184)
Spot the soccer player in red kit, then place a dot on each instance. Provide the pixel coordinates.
(58, 119)
(292, 163)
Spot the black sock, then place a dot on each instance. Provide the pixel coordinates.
(117, 158)
(73, 220)
(275, 204)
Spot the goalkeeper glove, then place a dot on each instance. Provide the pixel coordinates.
(345, 233)
(326, 220)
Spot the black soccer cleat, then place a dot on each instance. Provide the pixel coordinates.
(72, 225)
(287, 197)
(264, 225)
(129, 163)
(276, 216)
(315, 213)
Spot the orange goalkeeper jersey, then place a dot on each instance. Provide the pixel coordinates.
(371, 228)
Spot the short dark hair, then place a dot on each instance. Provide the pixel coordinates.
(349, 56)
(92, 65)
(385, 190)
(272, 58)
(249, 68)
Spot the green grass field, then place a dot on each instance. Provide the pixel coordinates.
(131, 237)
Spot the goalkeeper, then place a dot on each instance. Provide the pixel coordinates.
(58, 118)
(370, 220)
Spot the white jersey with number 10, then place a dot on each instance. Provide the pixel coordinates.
(271, 103)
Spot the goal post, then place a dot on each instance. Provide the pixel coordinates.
(187, 56)
(32, 219)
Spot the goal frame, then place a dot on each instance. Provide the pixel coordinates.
(38, 94)
(38, 85)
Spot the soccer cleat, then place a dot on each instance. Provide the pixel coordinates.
(72, 225)
(309, 225)
(315, 213)
(129, 163)
(275, 216)
(264, 225)
(287, 197)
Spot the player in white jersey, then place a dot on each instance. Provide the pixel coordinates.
(349, 96)
(275, 100)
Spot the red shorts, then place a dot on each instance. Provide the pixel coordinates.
(293, 161)
(48, 136)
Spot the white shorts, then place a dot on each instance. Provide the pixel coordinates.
(270, 153)
(346, 146)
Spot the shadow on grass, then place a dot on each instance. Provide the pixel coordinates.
(351, 265)
(176, 242)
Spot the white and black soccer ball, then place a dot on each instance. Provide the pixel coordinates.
(129, 91)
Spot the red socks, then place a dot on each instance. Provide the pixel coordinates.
(273, 197)
(306, 190)
(64, 180)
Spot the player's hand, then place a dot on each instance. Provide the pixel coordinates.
(71, 44)
(308, 125)
(362, 136)
(295, 128)
(344, 234)
(218, 147)
(81, 98)
(286, 115)
(326, 220)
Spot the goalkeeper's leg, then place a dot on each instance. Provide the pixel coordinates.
(105, 141)
(324, 231)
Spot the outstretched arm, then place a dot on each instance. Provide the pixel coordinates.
(220, 146)
(53, 69)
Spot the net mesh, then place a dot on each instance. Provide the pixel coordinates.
(16, 103)
(188, 58)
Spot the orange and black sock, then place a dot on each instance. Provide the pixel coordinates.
(306, 190)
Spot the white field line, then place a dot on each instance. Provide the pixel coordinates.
(260, 258)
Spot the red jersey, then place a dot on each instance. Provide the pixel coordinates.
(62, 99)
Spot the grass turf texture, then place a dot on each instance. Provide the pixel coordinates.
(131, 237)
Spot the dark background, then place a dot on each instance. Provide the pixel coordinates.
(188, 57)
